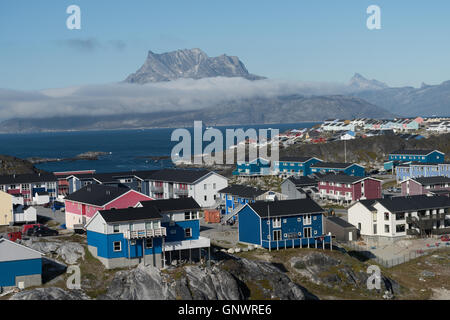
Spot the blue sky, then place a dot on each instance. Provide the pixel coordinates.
(291, 40)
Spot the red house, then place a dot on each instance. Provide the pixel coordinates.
(84, 203)
(348, 189)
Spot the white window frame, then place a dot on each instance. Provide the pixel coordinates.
(120, 246)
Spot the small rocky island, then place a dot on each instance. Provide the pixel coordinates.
(90, 155)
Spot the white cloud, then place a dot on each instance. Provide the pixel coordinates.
(119, 98)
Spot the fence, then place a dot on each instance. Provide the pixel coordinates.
(389, 263)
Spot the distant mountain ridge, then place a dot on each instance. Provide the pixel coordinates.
(188, 63)
(358, 82)
(428, 100)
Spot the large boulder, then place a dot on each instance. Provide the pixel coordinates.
(69, 252)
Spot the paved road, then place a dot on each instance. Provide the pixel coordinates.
(224, 235)
(47, 214)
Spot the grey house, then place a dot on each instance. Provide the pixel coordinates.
(299, 187)
(341, 229)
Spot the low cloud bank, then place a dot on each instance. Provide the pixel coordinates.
(122, 98)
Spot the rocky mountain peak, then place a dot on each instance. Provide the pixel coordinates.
(188, 63)
(358, 82)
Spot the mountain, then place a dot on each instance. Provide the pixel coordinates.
(258, 110)
(428, 100)
(358, 82)
(193, 63)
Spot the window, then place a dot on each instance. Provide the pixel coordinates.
(116, 228)
(374, 229)
(188, 232)
(400, 216)
(307, 219)
(148, 243)
(117, 245)
(400, 228)
(299, 219)
(132, 242)
(386, 216)
(359, 226)
(206, 198)
(204, 186)
(187, 216)
(276, 222)
(284, 220)
(214, 186)
(386, 228)
(173, 231)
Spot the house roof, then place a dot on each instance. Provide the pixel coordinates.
(179, 175)
(169, 205)
(113, 176)
(242, 191)
(130, 214)
(294, 159)
(368, 204)
(342, 178)
(285, 207)
(303, 181)
(432, 180)
(97, 194)
(340, 222)
(332, 165)
(414, 152)
(27, 178)
(411, 203)
(12, 251)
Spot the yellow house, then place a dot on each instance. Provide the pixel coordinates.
(6, 209)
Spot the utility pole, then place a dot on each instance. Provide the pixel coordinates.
(345, 150)
(270, 236)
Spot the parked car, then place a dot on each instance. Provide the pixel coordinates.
(58, 205)
(445, 238)
(27, 227)
(14, 236)
(42, 231)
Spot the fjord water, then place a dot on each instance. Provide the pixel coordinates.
(127, 148)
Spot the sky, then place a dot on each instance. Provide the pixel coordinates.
(298, 40)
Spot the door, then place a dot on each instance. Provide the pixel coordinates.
(350, 236)
(307, 232)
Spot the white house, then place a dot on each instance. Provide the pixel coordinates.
(349, 135)
(202, 185)
(24, 214)
(41, 198)
(401, 216)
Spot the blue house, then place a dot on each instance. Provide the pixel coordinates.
(294, 166)
(417, 170)
(255, 168)
(282, 224)
(423, 156)
(154, 233)
(236, 196)
(350, 169)
(20, 266)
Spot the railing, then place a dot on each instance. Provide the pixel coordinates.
(181, 192)
(157, 189)
(150, 233)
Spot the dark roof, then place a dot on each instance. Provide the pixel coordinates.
(294, 159)
(43, 193)
(332, 165)
(178, 175)
(340, 222)
(368, 204)
(113, 176)
(242, 191)
(97, 194)
(27, 178)
(412, 203)
(168, 205)
(414, 152)
(303, 181)
(285, 207)
(432, 180)
(340, 178)
(130, 214)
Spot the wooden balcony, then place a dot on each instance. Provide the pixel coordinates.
(141, 234)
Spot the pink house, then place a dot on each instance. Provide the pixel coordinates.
(425, 185)
(84, 203)
(348, 189)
